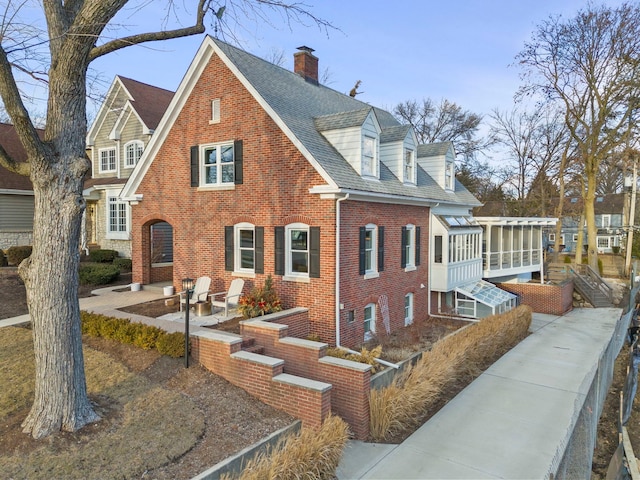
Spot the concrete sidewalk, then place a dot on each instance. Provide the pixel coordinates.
(513, 421)
(106, 301)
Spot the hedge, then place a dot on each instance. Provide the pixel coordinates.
(15, 255)
(141, 335)
(103, 255)
(97, 273)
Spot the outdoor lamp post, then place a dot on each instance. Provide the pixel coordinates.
(187, 288)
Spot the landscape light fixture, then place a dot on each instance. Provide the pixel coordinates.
(187, 288)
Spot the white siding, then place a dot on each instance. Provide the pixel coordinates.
(391, 156)
(348, 142)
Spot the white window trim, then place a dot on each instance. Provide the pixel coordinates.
(132, 143)
(115, 155)
(411, 249)
(237, 249)
(219, 185)
(375, 161)
(372, 323)
(406, 179)
(607, 223)
(215, 111)
(449, 175)
(109, 194)
(289, 273)
(373, 271)
(408, 316)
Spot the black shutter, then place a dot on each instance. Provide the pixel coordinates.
(403, 244)
(380, 249)
(259, 249)
(314, 252)
(195, 166)
(237, 162)
(279, 249)
(362, 251)
(417, 262)
(228, 249)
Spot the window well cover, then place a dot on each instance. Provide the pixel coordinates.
(485, 292)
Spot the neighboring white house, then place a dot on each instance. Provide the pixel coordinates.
(115, 142)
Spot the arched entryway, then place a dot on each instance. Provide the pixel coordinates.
(158, 258)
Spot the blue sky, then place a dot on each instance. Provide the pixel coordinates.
(460, 50)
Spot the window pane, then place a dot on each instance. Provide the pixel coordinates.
(246, 259)
(226, 153)
(299, 262)
(298, 240)
(246, 238)
(211, 174)
(227, 173)
(210, 156)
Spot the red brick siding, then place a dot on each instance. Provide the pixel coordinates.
(350, 392)
(310, 406)
(274, 193)
(355, 291)
(543, 298)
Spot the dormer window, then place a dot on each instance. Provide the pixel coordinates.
(369, 157)
(449, 175)
(409, 166)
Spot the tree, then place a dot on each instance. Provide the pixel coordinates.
(532, 143)
(443, 122)
(590, 64)
(77, 32)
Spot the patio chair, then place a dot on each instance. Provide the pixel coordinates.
(230, 300)
(199, 294)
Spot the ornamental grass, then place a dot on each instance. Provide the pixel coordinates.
(463, 355)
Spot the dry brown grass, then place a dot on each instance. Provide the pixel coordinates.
(140, 437)
(312, 454)
(466, 353)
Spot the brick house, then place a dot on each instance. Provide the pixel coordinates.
(116, 139)
(263, 171)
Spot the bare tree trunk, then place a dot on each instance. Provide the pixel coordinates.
(51, 273)
(51, 278)
(589, 212)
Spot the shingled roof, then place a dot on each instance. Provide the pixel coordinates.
(11, 143)
(304, 109)
(148, 101)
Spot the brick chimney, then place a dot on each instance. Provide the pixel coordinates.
(305, 64)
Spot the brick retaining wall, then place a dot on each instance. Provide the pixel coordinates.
(543, 298)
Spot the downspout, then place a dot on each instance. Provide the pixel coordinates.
(429, 269)
(338, 268)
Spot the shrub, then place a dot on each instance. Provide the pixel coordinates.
(102, 255)
(313, 453)
(123, 264)
(260, 301)
(97, 273)
(3, 259)
(138, 334)
(15, 255)
(171, 344)
(567, 259)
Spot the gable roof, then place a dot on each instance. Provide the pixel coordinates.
(301, 109)
(434, 149)
(148, 101)
(12, 145)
